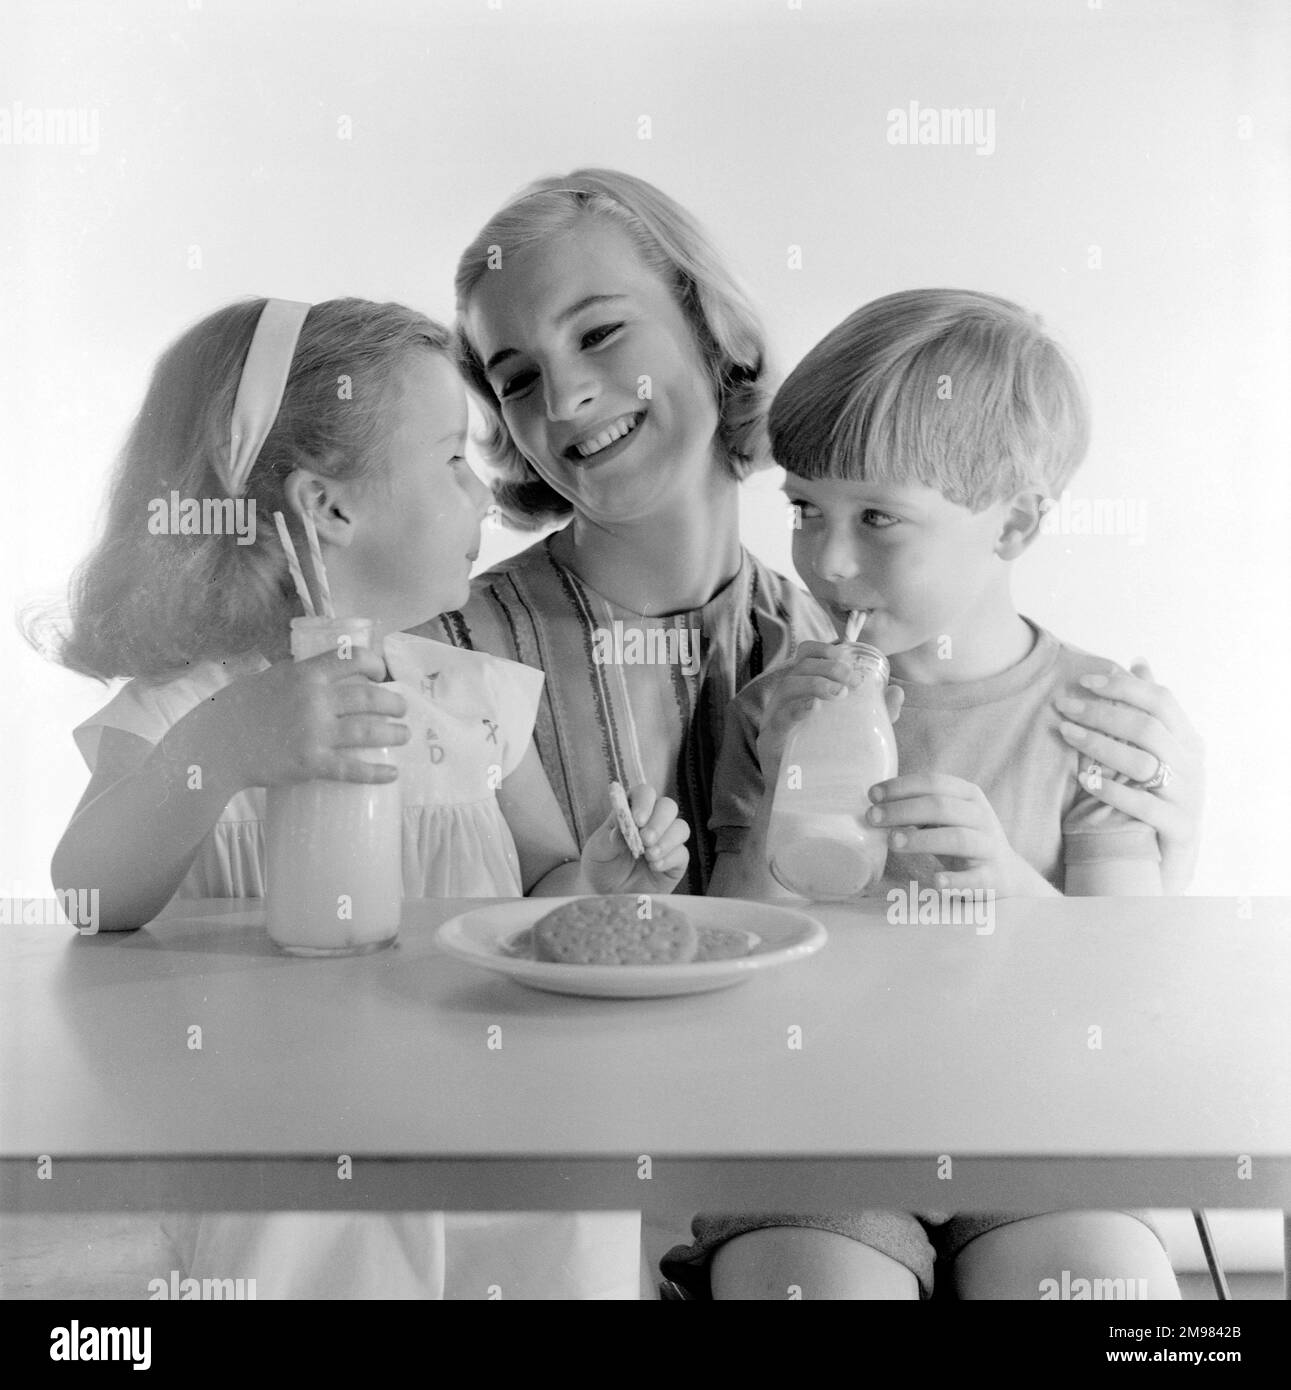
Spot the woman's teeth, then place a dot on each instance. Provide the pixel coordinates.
(606, 437)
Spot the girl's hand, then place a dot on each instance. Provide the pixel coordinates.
(608, 866)
(295, 721)
(816, 673)
(933, 813)
(1131, 725)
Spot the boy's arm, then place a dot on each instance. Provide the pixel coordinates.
(743, 872)
(741, 810)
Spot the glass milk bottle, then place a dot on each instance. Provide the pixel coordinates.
(819, 844)
(334, 849)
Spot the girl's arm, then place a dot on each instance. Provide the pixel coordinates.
(138, 826)
(147, 809)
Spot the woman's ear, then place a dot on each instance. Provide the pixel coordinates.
(326, 500)
(1021, 524)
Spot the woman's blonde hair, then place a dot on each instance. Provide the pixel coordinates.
(145, 604)
(669, 241)
(961, 391)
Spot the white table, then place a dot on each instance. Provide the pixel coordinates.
(920, 1044)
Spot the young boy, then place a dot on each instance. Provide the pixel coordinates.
(921, 439)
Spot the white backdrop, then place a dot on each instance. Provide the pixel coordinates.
(1135, 196)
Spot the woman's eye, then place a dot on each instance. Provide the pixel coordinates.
(598, 335)
(514, 385)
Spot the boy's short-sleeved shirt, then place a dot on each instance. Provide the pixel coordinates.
(1000, 733)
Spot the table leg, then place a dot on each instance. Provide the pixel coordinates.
(1286, 1254)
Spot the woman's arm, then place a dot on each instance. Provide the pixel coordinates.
(1135, 727)
(550, 864)
(1117, 878)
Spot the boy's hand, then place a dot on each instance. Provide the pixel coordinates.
(933, 813)
(607, 863)
(816, 673)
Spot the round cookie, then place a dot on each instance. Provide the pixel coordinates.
(612, 931)
(724, 943)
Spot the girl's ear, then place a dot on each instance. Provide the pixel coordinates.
(1021, 524)
(327, 500)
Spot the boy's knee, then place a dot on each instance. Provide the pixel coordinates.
(788, 1262)
(1104, 1255)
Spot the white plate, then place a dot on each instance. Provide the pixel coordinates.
(779, 935)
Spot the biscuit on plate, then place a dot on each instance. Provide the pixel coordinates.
(613, 931)
(724, 943)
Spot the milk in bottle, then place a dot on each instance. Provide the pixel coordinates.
(819, 844)
(334, 849)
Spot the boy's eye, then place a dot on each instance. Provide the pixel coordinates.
(593, 336)
(877, 520)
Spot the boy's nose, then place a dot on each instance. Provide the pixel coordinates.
(836, 562)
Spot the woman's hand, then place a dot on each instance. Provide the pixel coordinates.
(607, 863)
(934, 813)
(295, 721)
(816, 673)
(1130, 725)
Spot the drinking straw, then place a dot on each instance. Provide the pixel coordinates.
(855, 622)
(316, 555)
(293, 564)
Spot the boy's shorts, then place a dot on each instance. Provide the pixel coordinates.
(916, 1241)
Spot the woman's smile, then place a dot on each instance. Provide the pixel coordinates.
(595, 443)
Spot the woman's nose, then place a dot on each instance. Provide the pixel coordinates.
(567, 390)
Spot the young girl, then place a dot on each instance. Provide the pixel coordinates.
(353, 413)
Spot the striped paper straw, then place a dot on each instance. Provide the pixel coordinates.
(855, 622)
(293, 564)
(316, 555)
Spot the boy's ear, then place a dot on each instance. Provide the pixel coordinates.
(327, 500)
(1021, 524)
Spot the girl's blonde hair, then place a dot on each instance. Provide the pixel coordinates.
(961, 391)
(672, 244)
(149, 605)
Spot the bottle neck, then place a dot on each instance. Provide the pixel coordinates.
(868, 660)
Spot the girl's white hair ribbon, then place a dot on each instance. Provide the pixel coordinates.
(264, 378)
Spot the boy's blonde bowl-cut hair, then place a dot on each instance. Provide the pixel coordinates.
(961, 391)
(669, 241)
